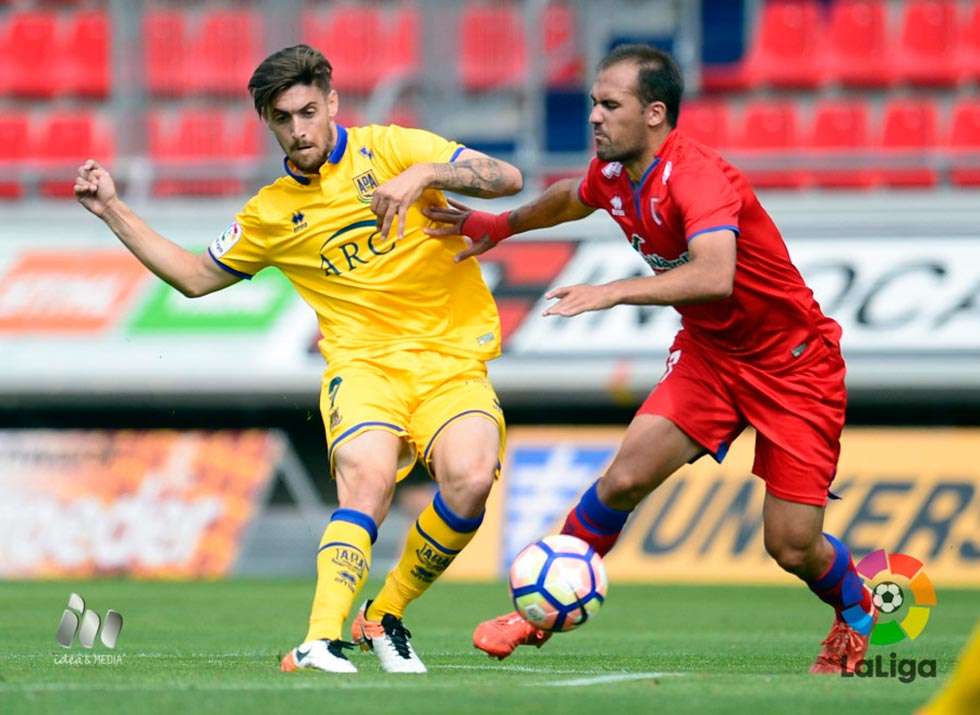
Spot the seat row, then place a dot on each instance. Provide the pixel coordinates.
(842, 143)
(803, 44)
(48, 53)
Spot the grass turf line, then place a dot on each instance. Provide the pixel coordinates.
(213, 647)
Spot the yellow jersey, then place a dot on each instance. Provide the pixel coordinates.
(371, 296)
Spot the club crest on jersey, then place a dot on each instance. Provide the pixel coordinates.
(617, 206)
(365, 184)
(612, 170)
(657, 218)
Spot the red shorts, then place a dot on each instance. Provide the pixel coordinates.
(797, 411)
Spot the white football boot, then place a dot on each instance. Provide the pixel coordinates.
(387, 639)
(325, 655)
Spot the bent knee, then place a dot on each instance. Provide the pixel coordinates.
(789, 557)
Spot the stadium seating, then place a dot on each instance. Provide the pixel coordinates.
(198, 150)
(353, 39)
(927, 47)
(165, 50)
(492, 48)
(859, 51)
(910, 133)
(839, 143)
(708, 121)
(788, 50)
(565, 63)
(14, 132)
(64, 140)
(85, 55)
(970, 45)
(32, 63)
(225, 51)
(769, 136)
(964, 141)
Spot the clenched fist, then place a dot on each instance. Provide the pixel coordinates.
(94, 187)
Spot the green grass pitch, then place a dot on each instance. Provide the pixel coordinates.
(212, 647)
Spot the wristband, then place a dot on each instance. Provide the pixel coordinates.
(481, 224)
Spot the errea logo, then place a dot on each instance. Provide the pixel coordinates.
(617, 206)
(299, 221)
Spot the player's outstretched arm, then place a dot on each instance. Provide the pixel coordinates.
(192, 274)
(708, 276)
(558, 204)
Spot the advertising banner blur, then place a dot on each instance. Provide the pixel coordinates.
(909, 307)
(153, 504)
(910, 491)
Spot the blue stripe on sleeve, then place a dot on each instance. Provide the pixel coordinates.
(714, 228)
(229, 269)
(456, 154)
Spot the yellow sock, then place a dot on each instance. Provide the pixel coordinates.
(431, 546)
(342, 565)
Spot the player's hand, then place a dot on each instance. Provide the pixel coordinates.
(453, 217)
(94, 187)
(394, 197)
(576, 299)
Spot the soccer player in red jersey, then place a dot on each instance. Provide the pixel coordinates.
(754, 348)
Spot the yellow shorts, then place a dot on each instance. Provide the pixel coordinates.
(412, 394)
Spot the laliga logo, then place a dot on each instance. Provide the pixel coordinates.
(903, 595)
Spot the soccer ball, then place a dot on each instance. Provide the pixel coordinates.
(558, 583)
(888, 597)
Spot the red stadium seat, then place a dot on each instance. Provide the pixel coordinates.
(32, 47)
(198, 150)
(789, 49)
(965, 143)
(65, 140)
(970, 46)
(402, 54)
(927, 49)
(860, 53)
(165, 52)
(84, 56)
(227, 48)
(14, 149)
(707, 121)
(769, 138)
(352, 38)
(838, 139)
(910, 134)
(564, 63)
(492, 47)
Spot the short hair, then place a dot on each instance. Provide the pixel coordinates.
(299, 64)
(658, 78)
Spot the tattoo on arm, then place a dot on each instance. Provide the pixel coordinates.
(480, 177)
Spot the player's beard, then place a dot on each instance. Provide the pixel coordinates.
(610, 151)
(309, 162)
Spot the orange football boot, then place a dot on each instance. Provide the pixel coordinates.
(499, 636)
(842, 648)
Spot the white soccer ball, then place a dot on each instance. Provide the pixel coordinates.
(888, 597)
(558, 583)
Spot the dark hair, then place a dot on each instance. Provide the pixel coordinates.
(300, 64)
(658, 78)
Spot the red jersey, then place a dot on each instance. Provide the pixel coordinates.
(771, 315)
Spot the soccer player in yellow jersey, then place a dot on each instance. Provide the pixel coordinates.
(405, 347)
